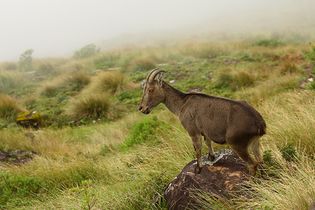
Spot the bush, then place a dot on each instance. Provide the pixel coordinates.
(45, 69)
(86, 51)
(142, 132)
(142, 64)
(26, 60)
(289, 152)
(9, 66)
(8, 82)
(269, 43)
(91, 107)
(66, 84)
(77, 81)
(234, 81)
(310, 55)
(110, 82)
(289, 68)
(107, 61)
(8, 107)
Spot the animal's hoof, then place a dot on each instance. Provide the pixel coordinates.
(211, 157)
(252, 170)
(197, 169)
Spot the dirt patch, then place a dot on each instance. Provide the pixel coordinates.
(16, 156)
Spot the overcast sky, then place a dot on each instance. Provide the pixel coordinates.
(58, 27)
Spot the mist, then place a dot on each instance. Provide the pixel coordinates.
(57, 28)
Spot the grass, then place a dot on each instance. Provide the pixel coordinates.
(8, 107)
(125, 160)
(90, 107)
(109, 82)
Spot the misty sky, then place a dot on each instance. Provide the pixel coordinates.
(58, 27)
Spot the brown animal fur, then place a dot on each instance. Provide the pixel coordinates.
(221, 120)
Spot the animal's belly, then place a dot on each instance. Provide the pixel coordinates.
(218, 137)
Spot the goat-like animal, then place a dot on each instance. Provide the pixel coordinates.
(217, 119)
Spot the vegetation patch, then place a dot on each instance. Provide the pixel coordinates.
(142, 132)
(109, 82)
(8, 107)
(269, 43)
(91, 107)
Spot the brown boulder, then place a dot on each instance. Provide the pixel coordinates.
(219, 179)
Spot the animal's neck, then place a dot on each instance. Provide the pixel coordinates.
(174, 99)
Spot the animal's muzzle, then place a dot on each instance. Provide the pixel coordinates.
(144, 110)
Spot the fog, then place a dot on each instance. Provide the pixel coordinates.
(58, 27)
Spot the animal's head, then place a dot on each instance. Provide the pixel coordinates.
(153, 93)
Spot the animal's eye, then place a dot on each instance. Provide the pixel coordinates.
(150, 90)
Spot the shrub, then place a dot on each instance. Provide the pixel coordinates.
(142, 64)
(77, 81)
(8, 107)
(142, 132)
(310, 55)
(66, 83)
(45, 69)
(86, 51)
(110, 82)
(289, 152)
(107, 61)
(269, 43)
(224, 80)
(8, 82)
(9, 66)
(94, 106)
(25, 61)
(234, 81)
(288, 68)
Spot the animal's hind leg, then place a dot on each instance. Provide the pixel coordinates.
(211, 156)
(197, 146)
(256, 149)
(242, 151)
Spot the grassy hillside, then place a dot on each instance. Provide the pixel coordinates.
(95, 151)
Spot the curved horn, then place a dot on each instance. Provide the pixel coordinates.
(153, 75)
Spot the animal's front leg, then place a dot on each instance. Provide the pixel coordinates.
(211, 155)
(197, 146)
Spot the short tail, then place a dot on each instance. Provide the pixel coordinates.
(262, 127)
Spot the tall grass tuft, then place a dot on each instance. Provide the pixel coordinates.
(94, 106)
(109, 82)
(71, 83)
(9, 81)
(8, 107)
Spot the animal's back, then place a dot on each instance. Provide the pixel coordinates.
(215, 116)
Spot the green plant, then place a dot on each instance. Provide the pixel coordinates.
(110, 82)
(8, 107)
(142, 132)
(90, 107)
(269, 43)
(18, 186)
(310, 55)
(234, 81)
(289, 152)
(142, 64)
(86, 51)
(25, 61)
(8, 82)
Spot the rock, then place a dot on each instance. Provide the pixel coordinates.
(16, 156)
(218, 178)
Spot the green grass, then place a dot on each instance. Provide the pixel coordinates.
(125, 160)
